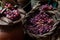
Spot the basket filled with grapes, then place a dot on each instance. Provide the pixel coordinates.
(11, 17)
(11, 14)
(39, 22)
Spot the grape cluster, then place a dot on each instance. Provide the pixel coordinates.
(41, 23)
(46, 7)
(8, 5)
(11, 12)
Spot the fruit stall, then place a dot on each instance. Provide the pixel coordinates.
(29, 20)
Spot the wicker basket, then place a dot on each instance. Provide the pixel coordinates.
(12, 30)
(31, 13)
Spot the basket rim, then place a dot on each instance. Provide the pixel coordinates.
(14, 22)
(44, 35)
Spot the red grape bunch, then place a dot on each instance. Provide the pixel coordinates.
(11, 12)
(46, 7)
(41, 23)
(8, 5)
